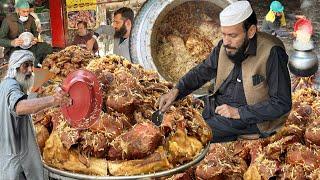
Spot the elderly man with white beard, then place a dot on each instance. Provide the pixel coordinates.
(19, 154)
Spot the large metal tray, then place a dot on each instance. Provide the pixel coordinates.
(59, 174)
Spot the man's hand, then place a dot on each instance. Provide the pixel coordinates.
(34, 41)
(228, 111)
(61, 98)
(16, 42)
(167, 99)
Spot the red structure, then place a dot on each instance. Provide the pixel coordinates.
(58, 30)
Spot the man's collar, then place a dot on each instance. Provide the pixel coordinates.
(252, 46)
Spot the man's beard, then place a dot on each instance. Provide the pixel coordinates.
(121, 32)
(25, 80)
(239, 55)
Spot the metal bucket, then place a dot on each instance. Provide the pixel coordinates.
(148, 22)
(303, 63)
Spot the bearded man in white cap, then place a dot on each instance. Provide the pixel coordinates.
(252, 92)
(19, 154)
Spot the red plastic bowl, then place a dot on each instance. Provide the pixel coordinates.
(85, 92)
(303, 24)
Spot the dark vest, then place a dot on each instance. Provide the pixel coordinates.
(14, 30)
(253, 65)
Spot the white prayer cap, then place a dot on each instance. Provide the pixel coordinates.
(235, 13)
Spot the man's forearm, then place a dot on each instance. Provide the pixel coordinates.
(198, 75)
(31, 106)
(193, 80)
(267, 110)
(5, 42)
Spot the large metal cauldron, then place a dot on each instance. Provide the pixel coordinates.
(303, 63)
(145, 33)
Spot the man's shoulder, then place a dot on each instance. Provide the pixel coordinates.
(31, 17)
(89, 35)
(8, 82)
(12, 17)
(268, 39)
(217, 48)
(85, 37)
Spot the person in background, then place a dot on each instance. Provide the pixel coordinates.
(275, 21)
(17, 23)
(85, 39)
(252, 92)
(105, 35)
(122, 24)
(35, 16)
(19, 153)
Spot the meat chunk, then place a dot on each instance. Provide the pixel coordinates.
(187, 175)
(182, 148)
(170, 120)
(94, 144)
(221, 164)
(56, 155)
(315, 174)
(312, 134)
(288, 171)
(243, 148)
(111, 124)
(261, 168)
(300, 154)
(275, 149)
(42, 135)
(69, 136)
(138, 142)
(155, 162)
(198, 127)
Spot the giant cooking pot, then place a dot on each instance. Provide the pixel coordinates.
(303, 63)
(152, 20)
